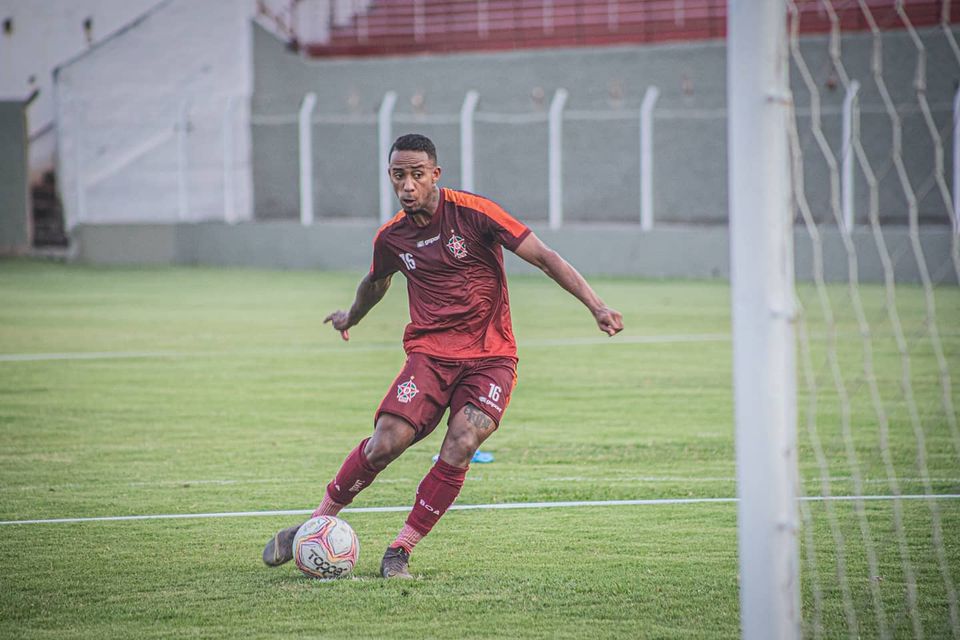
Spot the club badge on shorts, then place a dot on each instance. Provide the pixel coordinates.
(457, 246)
(406, 391)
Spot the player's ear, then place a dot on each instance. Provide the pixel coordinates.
(436, 173)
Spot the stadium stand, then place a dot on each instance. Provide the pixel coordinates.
(390, 28)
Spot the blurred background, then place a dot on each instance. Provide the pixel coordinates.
(247, 132)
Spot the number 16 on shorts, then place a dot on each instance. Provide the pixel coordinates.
(492, 399)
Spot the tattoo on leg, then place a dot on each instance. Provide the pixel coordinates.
(477, 418)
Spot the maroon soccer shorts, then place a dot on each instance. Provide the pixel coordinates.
(426, 386)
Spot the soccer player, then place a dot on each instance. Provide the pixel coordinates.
(461, 353)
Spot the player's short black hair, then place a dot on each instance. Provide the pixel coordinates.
(415, 142)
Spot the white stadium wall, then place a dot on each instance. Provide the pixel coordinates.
(38, 36)
(145, 118)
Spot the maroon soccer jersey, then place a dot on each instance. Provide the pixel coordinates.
(459, 307)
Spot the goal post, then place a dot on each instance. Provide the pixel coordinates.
(763, 309)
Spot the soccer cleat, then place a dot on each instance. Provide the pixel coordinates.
(394, 563)
(280, 548)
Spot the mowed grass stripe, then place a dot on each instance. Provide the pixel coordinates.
(533, 344)
(476, 507)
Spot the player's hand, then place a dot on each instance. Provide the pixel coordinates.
(340, 321)
(609, 320)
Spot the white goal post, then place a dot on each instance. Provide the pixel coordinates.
(871, 104)
(761, 275)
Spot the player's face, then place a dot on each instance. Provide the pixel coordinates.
(414, 178)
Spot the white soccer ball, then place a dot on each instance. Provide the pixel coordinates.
(326, 547)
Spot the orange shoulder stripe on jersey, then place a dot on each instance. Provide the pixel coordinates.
(488, 208)
(389, 223)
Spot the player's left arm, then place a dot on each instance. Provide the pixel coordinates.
(534, 251)
(370, 291)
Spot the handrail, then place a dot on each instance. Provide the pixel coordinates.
(279, 20)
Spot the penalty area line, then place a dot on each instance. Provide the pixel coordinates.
(470, 507)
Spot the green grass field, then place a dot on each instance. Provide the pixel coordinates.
(213, 391)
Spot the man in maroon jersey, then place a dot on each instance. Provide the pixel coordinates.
(460, 348)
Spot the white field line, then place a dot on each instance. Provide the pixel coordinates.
(377, 346)
(87, 355)
(714, 479)
(470, 507)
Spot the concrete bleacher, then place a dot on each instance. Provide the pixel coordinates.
(390, 28)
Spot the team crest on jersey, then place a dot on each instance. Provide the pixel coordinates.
(457, 246)
(406, 391)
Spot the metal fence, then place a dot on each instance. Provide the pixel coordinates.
(183, 164)
(647, 118)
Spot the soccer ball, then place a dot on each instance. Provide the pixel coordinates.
(326, 547)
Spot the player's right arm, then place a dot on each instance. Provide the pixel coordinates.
(534, 251)
(370, 291)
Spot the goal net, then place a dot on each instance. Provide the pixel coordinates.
(871, 147)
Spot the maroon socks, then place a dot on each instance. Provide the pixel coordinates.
(437, 491)
(355, 474)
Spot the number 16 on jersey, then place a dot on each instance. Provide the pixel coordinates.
(408, 260)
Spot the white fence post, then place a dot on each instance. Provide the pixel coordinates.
(229, 195)
(763, 314)
(305, 121)
(555, 158)
(646, 157)
(846, 154)
(956, 162)
(466, 140)
(183, 125)
(385, 141)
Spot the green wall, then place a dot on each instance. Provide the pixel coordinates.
(15, 232)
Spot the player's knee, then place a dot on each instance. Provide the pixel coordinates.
(390, 439)
(380, 452)
(463, 442)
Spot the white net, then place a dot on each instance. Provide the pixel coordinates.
(880, 451)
